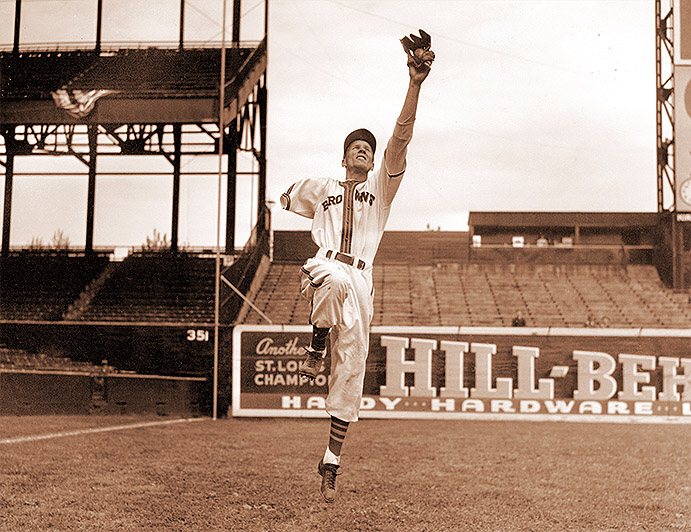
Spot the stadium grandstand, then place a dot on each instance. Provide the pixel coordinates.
(427, 278)
(154, 312)
(587, 270)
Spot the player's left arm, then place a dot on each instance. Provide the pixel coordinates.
(420, 58)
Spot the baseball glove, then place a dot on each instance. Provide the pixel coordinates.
(418, 49)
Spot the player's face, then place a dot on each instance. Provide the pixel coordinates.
(359, 156)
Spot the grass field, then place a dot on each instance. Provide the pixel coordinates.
(260, 475)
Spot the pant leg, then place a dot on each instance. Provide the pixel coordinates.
(349, 349)
(327, 286)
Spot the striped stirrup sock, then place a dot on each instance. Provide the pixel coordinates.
(338, 434)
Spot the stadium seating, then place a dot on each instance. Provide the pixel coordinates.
(40, 285)
(285, 306)
(130, 72)
(477, 295)
(179, 288)
(20, 359)
(156, 287)
(151, 72)
(33, 75)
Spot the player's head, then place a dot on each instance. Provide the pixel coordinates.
(360, 134)
(358, 150)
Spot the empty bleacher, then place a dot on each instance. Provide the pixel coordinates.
(156, 287)
(285, 306)
(40, 285)
(430, 287)
(18, 359)
(477, 295)
(440, 278)
(34, 75)
(129, 72)
(158, 72)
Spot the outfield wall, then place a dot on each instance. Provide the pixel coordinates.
(615, 375)
(69, 392)
(149, 349)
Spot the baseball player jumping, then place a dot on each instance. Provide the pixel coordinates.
(348, 220)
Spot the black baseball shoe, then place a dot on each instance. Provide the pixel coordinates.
(328, 473)
(312, 363)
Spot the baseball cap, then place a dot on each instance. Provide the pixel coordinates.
(360, 134)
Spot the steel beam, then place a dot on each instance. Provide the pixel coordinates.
(91, 190)
(177, 154)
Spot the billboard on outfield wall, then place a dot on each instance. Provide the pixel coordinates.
(682, 32)
(682, 105)
(682, 152)
(477, 373)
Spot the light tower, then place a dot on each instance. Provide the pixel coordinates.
(673, 82)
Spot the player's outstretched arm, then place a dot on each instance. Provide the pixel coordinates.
(420, 58)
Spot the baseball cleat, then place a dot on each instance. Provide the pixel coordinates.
(312, 364)
(328, 473)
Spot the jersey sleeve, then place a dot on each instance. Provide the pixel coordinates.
(388, 181)
(304, 196)
(394, 163)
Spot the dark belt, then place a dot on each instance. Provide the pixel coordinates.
(346, 259)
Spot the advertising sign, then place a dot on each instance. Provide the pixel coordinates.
(682, 32)
(478, 373)
(682, 154)
(682, 106)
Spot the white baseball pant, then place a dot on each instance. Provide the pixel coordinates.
(342, 299)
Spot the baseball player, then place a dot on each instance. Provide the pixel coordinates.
(348, 220)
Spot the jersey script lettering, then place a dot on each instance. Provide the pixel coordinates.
(363, 197)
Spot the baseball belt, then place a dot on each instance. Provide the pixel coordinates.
(346, 259)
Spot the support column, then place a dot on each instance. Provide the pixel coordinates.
(99, 24)
(181, 43)
(677, 262)
(261, 188)
(7, 213)
(91, 192)
(236, 22)
(231, 143)
(177, 143)
(17, 24)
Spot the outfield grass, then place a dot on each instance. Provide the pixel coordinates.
(260, 475)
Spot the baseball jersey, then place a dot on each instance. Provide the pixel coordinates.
(347, 216)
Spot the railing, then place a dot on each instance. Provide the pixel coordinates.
(116, 252)
(584, 253)
(112, 46)
(241, 273)
(559, 245)
(71, 251)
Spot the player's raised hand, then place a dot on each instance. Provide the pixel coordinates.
(420, 55)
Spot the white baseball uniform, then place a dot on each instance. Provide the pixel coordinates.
(348, 217)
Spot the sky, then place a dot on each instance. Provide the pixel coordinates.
(531, 105)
